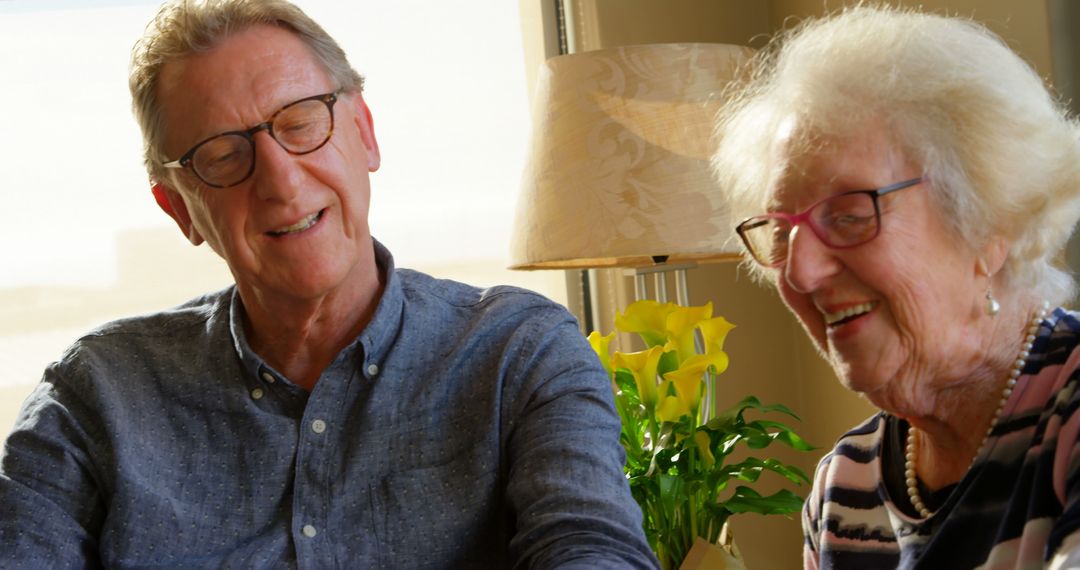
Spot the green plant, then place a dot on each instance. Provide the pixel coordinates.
(678, 456)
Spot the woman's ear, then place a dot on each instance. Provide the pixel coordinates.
(992, 256)
(172, 203)
(364, 121)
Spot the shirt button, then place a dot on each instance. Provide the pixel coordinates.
(309, 531)
(268, 377)
(373, 369)
(318, 426)
(257, 394)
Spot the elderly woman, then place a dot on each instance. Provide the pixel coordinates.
(908, 184)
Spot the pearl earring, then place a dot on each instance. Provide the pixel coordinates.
(992, 305)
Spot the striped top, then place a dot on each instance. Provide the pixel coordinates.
(1015, 508)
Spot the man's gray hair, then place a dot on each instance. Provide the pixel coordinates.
(185, 27)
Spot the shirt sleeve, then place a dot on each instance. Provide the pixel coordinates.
(811, 516)
(566, 484)
(50, 506)
(1064, 539)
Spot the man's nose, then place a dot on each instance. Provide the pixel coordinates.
(809, 261)
(277, 174)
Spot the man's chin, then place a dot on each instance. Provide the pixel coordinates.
(300, 285)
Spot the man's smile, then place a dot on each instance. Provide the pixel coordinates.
(300, 226)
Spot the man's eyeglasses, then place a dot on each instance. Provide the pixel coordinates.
(228, 159)
(845, 220)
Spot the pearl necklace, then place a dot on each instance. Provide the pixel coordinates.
(1010, 382)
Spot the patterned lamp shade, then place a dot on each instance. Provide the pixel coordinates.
(618, 172)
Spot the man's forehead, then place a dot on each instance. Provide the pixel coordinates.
(252, 58)
(248, 75)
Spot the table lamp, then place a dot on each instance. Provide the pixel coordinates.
(618, 171)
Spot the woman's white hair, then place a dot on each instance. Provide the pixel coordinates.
(1001, 154)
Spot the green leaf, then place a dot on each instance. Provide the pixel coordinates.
(786, 435)
(795, 474)
(770, 424)
(750, 474)
(789, 472)
(729, 418)
(747, 500)
(733, 415)
(718, 479)
(726, 445)
(775, 408)
(792, 439)
(671, 492)
(624, 379)
(757, 440)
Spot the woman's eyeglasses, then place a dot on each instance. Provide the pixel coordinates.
(845, 220)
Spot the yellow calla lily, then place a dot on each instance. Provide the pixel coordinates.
(680, 326)
(671, 409)
(646, 318)
(642, 365)
(688, 385)
(600, 347)
(699, 363)
(714, 332)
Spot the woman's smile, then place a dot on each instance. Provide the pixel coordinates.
(846, 315)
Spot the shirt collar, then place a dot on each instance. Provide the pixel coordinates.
(379, 335)
(376, 338)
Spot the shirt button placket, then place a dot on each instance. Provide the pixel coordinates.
(308, 495)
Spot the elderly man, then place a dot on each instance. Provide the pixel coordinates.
(329, 410)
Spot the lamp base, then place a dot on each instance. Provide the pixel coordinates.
(659, 273)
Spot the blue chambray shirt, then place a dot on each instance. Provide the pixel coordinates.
(463, 428)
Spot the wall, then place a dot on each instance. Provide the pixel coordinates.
(1064, 19)
(1023, 25)
(770, 354)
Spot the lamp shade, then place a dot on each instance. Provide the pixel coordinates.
(618, 170)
